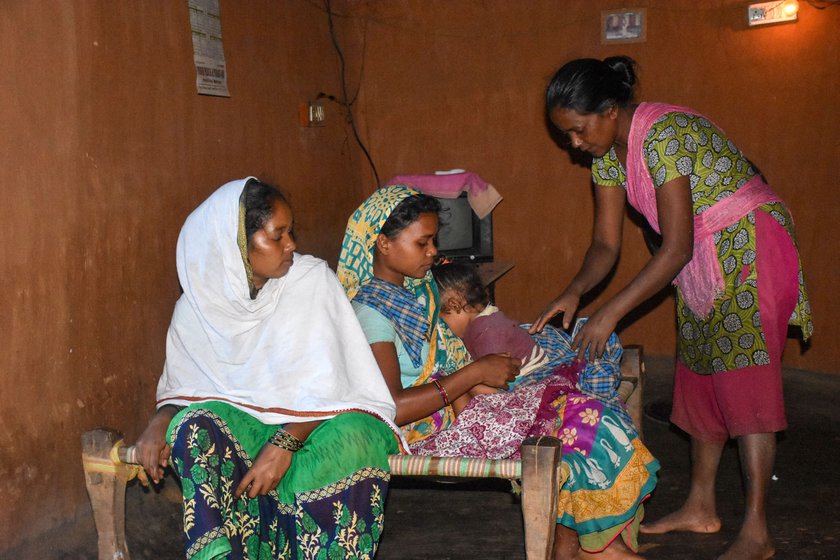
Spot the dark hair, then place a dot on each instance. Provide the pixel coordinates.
(259, 201)
(407, 212)
(463, 279)
(589, 85)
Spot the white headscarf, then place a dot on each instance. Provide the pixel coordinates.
(295, 352)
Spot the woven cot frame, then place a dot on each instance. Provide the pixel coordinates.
(109, 464)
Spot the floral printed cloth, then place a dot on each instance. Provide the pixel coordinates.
(610, 471)
(329, 504)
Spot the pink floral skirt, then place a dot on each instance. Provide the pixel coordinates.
(610, 471)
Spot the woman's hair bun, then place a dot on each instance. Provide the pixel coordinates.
(590, 85)
(625, 68)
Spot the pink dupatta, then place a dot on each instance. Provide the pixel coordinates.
(701, 280)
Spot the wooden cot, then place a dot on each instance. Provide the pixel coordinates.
(109, 464)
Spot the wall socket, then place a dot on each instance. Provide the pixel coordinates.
(312, 114)
(772, 12)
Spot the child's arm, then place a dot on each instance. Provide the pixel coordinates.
(459, 404)
(483, 390)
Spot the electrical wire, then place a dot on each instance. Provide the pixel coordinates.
(345, 102)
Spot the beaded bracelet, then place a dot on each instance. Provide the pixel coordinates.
(442, 392)
(285, 440)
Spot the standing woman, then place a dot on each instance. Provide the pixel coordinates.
(271, 404)
(728, 245)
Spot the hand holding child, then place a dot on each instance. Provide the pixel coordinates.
(497, 370)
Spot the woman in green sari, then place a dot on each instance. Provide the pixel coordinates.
(272, 407)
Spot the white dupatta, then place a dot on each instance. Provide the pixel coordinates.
(296, 352)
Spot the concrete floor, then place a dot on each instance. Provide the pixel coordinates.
(481, 519)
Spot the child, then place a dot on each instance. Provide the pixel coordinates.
(466, 309)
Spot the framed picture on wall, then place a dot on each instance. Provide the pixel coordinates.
(624, 26)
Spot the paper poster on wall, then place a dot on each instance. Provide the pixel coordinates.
(208, 50)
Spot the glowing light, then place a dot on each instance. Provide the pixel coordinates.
(772, 12)
(790, 8)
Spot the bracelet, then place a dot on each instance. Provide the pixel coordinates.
(442, 392)
(285, 440)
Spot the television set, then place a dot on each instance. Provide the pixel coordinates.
(462, 235)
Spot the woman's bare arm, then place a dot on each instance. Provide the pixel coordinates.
(599, 259)
(413, 403)
(676, 222)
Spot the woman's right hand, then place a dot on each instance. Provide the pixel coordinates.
(566, 303)
(497, 370)
(152, 447)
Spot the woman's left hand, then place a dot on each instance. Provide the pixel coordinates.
(266, 472)
(594, 335)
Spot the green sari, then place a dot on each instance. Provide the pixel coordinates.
(329, 504)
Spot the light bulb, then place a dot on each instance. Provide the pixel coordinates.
(790, 8)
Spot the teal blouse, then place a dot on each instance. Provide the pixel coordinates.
(378, 328)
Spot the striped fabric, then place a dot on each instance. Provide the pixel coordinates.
(416, 465)
(403, 310)
(421, 465)
(125, 454)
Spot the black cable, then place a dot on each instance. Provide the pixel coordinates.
(345, 102)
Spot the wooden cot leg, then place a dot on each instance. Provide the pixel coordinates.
(106, 481)
(540, 488)
(633, 364)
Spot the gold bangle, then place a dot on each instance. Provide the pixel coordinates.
(285, 440)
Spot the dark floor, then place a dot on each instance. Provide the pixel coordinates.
(431, 520)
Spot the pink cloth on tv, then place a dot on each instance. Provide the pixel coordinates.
(481, 195)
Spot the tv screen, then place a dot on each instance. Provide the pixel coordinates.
(456, 225)
(462, 235)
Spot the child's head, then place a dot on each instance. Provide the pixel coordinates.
(462, 295)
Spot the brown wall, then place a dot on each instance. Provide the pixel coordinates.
(460, 85)
(105, 148)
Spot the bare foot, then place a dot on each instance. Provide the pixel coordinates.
(617, 550)
(747, 549)
(683, 520)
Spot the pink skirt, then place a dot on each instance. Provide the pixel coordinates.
(745, 401)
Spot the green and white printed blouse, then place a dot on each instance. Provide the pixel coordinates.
(687, 145)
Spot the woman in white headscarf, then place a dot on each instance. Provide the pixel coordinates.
(271, 404)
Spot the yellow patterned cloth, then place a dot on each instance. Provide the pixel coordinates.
(355, 263)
